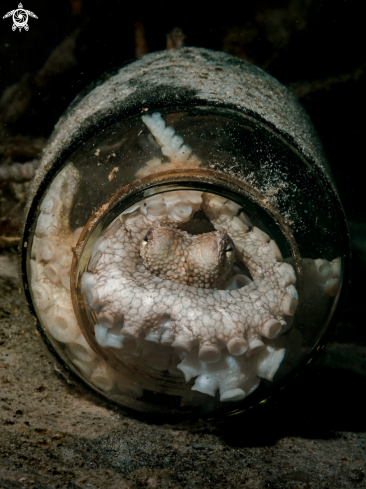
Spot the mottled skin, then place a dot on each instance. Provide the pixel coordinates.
(123, 292)
(200, 261)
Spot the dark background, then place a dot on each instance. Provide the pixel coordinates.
(317, 49)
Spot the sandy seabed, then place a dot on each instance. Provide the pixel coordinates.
(54, 433)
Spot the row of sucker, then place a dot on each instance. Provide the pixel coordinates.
(50, 264)
(178, 154)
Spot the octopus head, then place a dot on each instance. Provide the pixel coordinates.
(202, 260)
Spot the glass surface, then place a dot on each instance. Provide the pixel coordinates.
(181, 260)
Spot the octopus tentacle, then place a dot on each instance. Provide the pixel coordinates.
(214, 319)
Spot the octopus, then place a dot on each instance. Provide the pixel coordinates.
(152, 280)
(207, 299)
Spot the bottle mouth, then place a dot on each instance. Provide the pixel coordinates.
(161, 359)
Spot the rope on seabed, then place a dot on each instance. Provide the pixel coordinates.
(18, 172)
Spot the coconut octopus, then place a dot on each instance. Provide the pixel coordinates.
(147, 279)
(151, 282)
(207, 297)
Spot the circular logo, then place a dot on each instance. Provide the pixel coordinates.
(20, 18)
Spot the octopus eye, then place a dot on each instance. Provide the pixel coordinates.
(229, 249)
(146, 239)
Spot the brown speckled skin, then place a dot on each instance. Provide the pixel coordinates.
(202, 261)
